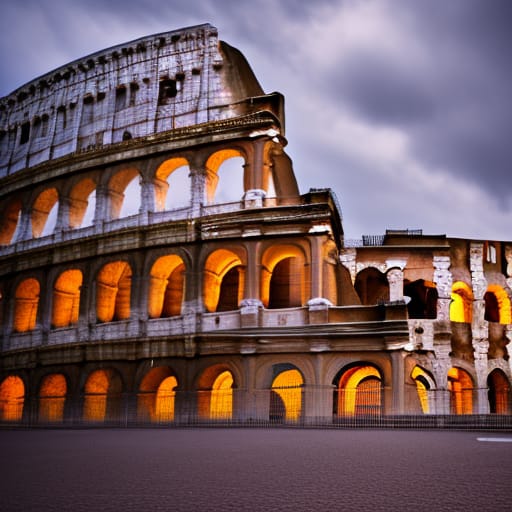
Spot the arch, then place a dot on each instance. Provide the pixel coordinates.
(172, 184)
(424, 383)
(423, 295)
(26, 304)
(157, 394)
(283, 277)
(66, 298)
(497, 305)
(460, 386)
(372, 286)
(124, 193)
(461, 305)
(359, 390)
(500, 398)
(113, 290)
(52, 398)
(44, 213)
(166, 288)
(221, 174)
(286, 394)
(82, 202)
(215, 394)
(9, 221)
(223, 283)
(12, 398)
(102, 395)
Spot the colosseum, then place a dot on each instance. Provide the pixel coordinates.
(158, 263)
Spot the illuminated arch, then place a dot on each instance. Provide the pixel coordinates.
(45, 203)
(500, 398)
(9, 221)
(52, 398)
(66, 298)
(113, 289)
(286, 395)
(166, 288)
(82, 200)
(219, 188)
(372, 286)
(215, 395)
(424, 383)
(460, 386)
(124, 183)
(102, 397)
(12, 397)
(461, 306)
(360, 391)
(223, 283)
(283, 277)
(172, 184)
(26, 304)
(157, 393)
(423, 295)
(497, 305)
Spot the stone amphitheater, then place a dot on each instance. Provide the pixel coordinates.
(158, 263)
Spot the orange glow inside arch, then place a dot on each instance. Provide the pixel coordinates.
(288, 386)
(66, 298)
(12, 397)
(214, 185)
(460, 386)
(503, 304)
(422, 380)
(26, 304)
(164, 183)
(221, 400)
(113, 292)
(461, 306)
(166, 287)
(359, 392)
(157, 395)
(102, 388)
(52, 397)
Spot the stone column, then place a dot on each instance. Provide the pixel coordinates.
(101, 210)
(443, 279)
(24, 229)
(481, 347)
(63, 214)
(147, 202)
(395, 277)
(441, 364)
(398, 382)
(318, 403)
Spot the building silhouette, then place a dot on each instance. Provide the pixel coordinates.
(158, 263)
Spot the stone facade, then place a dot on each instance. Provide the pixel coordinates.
(192, 307)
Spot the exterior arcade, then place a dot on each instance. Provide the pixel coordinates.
(158, 263)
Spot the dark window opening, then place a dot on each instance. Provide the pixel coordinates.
(120, 98)
(87, 112)
(167, 91)
(25, 133)
(127, 135)
(44, 125)
(133, 93)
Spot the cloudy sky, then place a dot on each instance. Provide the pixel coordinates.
(402, 107)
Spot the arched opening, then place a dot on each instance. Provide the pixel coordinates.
(66, 298)
(12, 397)
(223, 281)
(172, 185)
(372, 286)
(497, 305)
(102, 398)
(359, 390)
(423, 295)
(215, 393)
(82, 204)
(499, 393)
(424, 383)
(225, 176)
(52, 398)
(283, 278)
(167, 285)
(26, 304)
(286, 394)
(9, 221)
(461, 305)
(44, 213)
(460, 386)
(157, 394)
(124, 193)
(113, 290)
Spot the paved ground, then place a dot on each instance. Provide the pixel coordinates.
(253, 470)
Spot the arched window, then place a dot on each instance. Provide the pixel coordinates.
(52, 398)
(172, 184)
(66, 298)
(286, 394)
(102, 398)
(461, 306)
(124, 193)
(82, 203)
(497, 305)
(423, 295)
(157, 394)
(113, 291)
(372, 286)
(215, 393)
(9, 221)
(225, 176)
(167, 284)
(500, 399)
(424, 383)
(460, 386)
(44, 213)
(26, 305)
(12, 397)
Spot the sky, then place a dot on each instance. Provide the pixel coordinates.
(402, 107)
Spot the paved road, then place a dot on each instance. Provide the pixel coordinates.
(253, 470)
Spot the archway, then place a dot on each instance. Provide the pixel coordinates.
(372, 286)
(113, 290)
(172, 184)
(157, 393)
(499, 392)
(124, 193)
(102, 397)
(424, 383)
(215, 394)
(286, 394)
(44, 213)
(26, 303)
(423, 295)
(461, 306)
(167, 285)
(359, 390)
(82, 203)
(12, 397)
(52, 398)
(460, 386)
(225, 176)
(66, 298)
(497, 305)
(9, 221)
